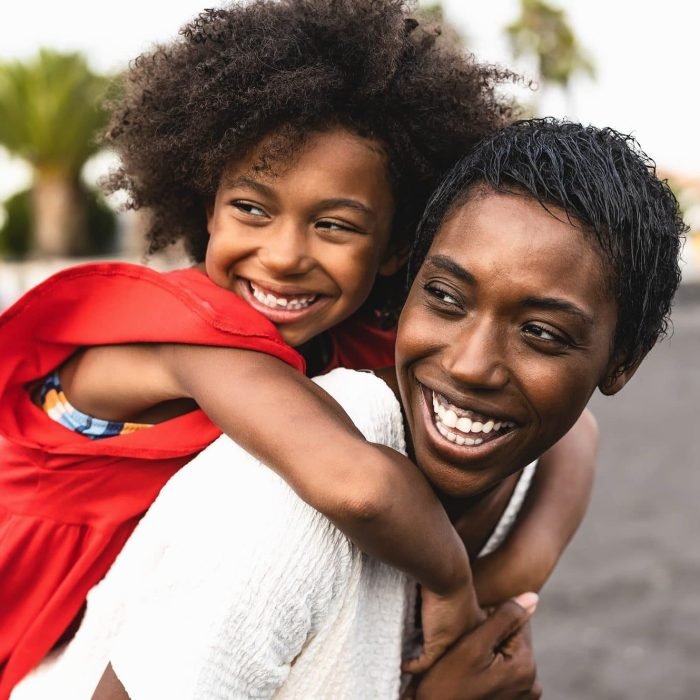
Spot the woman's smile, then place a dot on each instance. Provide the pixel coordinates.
(460, 428)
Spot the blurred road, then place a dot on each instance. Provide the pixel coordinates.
(620, 618)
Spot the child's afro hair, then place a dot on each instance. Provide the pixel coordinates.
(187, 109)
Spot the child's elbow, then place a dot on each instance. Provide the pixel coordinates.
(365, 502)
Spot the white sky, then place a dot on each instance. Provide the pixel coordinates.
(646, 55)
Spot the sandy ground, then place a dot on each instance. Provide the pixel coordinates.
(620, 619)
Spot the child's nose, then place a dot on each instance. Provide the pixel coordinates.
(286, 252)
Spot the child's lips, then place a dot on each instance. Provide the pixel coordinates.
(279, 306)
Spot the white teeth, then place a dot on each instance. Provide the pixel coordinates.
(273, 301)
(464, 425)
(450, 419)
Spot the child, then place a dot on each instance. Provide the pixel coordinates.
(291, 146)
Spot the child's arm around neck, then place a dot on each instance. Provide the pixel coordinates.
(375, 495)
(552, 512)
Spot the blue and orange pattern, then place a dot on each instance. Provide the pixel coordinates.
(55, 404)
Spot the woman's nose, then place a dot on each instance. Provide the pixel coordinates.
(285, 251)
(476, 355)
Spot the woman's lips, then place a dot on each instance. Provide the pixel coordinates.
(280, 307)
(462, 433)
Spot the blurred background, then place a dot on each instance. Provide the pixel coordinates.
(621, 617)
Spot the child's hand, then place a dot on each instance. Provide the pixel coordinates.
(444, 620)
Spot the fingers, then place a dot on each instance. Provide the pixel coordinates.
(422, 663)
(507, 619)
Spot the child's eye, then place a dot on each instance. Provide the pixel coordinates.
(249, 208)
(441, 294)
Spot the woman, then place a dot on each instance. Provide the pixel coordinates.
(257, 595)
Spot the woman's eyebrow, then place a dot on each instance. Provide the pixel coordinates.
(442, 262)
(556, 304)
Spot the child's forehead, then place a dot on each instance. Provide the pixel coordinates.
(283, 149)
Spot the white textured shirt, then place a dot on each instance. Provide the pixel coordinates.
(232, 587)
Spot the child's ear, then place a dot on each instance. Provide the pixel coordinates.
(393, 261)
(616, 378)
(209, 211)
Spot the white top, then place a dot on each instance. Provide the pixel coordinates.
(232, 587)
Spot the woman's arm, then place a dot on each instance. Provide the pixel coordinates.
(552, 512)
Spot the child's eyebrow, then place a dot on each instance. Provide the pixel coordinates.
(245, 181)
(337, 202)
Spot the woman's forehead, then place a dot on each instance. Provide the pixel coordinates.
(514, 236)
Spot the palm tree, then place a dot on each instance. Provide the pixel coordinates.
(543, 32)
(49, 115)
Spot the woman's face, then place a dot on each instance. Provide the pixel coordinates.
(507, 330)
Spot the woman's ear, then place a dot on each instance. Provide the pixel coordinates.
(616, 377)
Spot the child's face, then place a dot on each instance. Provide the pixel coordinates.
(303, 245)
(506, 333)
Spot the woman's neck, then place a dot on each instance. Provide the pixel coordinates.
(474, 517)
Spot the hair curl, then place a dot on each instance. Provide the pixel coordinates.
(189, 108)
(601, 179)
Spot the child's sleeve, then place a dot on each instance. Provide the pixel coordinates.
(551, 513)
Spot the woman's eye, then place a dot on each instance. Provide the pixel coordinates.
(248, 208)
(442, 294)
(331, 225)
(545, 334)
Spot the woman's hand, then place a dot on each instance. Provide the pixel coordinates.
(492, 662)
(444, 619)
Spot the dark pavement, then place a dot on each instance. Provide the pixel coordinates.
(620, 618)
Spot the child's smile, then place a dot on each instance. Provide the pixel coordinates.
(303, 242)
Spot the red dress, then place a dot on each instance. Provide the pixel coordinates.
(68, 503)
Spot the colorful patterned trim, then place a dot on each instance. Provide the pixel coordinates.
(55, 404)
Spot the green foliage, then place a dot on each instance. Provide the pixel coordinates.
(16, 232)
(50, 110)
(543, 31)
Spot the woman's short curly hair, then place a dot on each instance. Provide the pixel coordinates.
(603, 181)
(189, 108)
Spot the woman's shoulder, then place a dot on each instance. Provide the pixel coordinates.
(370, 402)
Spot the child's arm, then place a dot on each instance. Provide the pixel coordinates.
(373, 494)
(552, 511)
